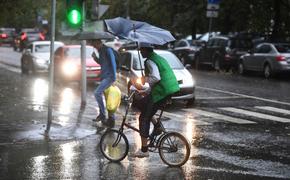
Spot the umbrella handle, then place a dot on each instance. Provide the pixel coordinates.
(139, 57)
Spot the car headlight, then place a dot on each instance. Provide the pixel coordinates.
(40, 61)
(69, 68)
(189, 81)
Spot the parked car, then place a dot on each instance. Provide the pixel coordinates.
(185, 50)
(131, 69)
(269, 58)
(25, 37)
(7, 36)
(36, 56)
(68, 64)
(223, 52)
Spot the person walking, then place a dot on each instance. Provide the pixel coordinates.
(162, 84)
(108, 65)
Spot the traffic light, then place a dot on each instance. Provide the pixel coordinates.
(74, 13)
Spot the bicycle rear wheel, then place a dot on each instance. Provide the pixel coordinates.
(174, 149)
(114, 145)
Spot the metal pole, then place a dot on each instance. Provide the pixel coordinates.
(51, 67)
(128, 9)
(209, 28)
(83, 62)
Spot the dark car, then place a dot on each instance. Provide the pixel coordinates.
(25, 37)
(185, 49)
(269, 58)
(7, 36)
(223, 52)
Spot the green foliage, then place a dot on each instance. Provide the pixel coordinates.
(185, 17)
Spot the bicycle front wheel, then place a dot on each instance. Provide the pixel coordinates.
(174, 149)
(114, 145)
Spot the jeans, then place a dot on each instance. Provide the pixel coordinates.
(104, 84)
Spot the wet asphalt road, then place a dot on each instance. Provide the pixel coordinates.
(233, 135)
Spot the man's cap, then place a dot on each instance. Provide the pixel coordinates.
(145, 45)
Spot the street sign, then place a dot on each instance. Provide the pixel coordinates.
(213, 1)
(99, 10)
(212, 14)
(213, 7)
(102, 9)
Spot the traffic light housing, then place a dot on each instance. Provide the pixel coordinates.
(74, 14)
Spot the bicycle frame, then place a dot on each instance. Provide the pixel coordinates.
(121, 129)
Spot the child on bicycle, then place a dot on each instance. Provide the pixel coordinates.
(162, 84)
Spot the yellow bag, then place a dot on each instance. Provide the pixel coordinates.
(113, 98)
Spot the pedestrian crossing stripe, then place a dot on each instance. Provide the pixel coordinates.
(273, 109)
(256, 114)
(178, 117)
(221, 116)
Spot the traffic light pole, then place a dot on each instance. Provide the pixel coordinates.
(83, 61)
(51, 67)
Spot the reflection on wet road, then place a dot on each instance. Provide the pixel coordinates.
(232, 136)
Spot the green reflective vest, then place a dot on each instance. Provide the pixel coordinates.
(168, 83)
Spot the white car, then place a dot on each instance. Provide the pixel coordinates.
(130, 71)
(35, 56)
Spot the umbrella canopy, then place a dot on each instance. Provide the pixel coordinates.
(94, 35)
(138, 31)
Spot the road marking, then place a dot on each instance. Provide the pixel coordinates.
(10, 68)
(246, 96)
(273, 109)
(224, 97)
(256, 114)
(221, 117)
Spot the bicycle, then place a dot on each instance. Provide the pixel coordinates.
(173, 147)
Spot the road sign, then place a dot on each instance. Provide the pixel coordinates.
(99, 10)
(213, 1)
(213, 7)
(212, 14)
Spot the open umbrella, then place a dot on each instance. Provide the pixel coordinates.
(138, 31)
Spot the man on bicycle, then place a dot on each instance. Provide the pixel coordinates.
(162, 84)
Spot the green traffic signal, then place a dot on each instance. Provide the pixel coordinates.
(74, 17)
(74, 14)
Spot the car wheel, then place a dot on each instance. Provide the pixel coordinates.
(267, 71)
(216, 64)
(241, 68)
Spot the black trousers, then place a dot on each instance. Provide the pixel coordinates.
(148, 110)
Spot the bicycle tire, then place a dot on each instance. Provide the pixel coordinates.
(174, 149)
(114, 154)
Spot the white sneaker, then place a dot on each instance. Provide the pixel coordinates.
(140, 154)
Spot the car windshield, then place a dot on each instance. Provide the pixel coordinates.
(32, 34)
(44, 48)
(75, 52)
(283, 48)
(172, 60)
